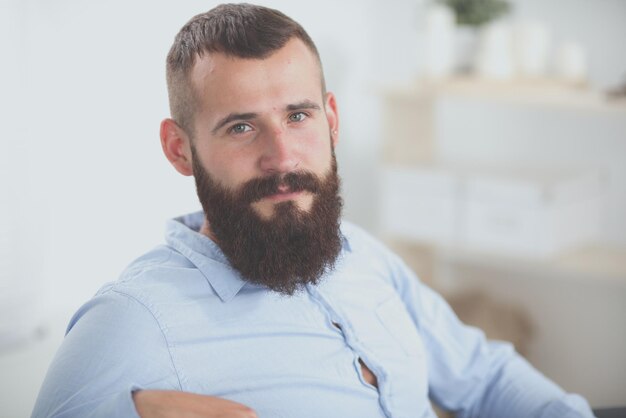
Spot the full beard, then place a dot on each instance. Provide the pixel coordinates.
(293, 247)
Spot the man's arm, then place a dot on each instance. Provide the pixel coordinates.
(471, 375)
(113, 346)
(113, 358)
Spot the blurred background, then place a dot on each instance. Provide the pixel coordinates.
(484, 140)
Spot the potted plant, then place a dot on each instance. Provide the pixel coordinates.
(476, 13)
(471, 15)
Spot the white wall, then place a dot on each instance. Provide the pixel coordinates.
(20, 273)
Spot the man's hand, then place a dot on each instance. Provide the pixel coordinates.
(170, 404)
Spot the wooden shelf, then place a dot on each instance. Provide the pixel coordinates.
(540, 92)
(413, 133)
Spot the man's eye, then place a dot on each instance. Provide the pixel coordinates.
(240, 128)
(297, 117)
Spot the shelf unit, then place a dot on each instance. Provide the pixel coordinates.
(576, 299)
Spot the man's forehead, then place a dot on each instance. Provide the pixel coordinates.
(292, 72)
(293, 52)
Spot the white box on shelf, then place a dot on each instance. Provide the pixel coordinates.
(419, 203)
(532, 212)
(526, 212)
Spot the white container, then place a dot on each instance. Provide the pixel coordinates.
(533, 213)
(532, 47)
(495, 53)
(439, 41)
(420, 204)
(518, 212)
(571, 63)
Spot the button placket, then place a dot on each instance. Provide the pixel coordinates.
(358, 349)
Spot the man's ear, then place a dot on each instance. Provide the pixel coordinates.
(332, 115)
(176, 146)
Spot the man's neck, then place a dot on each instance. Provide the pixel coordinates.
(206, 231)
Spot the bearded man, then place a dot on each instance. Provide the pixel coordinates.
(266, 304)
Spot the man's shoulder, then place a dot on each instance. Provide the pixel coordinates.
(356, 235)
(366, 255)
(362, 242)
(156, 274)
(157, 286)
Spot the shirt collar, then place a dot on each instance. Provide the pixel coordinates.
(182, 234)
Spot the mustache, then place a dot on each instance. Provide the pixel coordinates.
(296, 181)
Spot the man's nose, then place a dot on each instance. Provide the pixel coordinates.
(279, 152)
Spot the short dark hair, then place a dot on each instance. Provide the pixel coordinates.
(239, 30)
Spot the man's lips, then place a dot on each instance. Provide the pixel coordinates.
(284, 195)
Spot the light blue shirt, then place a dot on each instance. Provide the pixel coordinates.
(182, 318)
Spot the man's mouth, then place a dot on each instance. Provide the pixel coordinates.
(280, 188)
(283, 193)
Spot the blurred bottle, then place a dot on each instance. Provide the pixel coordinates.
(440, 32)
(571, 63)
(532, 46)
(495, 54)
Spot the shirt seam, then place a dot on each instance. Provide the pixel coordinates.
(167, 344)
(136, 268)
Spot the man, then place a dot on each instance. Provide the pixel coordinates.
(266, 304)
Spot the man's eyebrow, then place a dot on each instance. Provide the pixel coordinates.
(305, 104)
(232, 117)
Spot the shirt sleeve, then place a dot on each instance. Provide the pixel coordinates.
(473, 376)
(113, 346)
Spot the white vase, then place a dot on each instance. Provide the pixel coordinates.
(571, 63)
(466, 47)
(439, 41)
(532, 48)
(495, 53)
